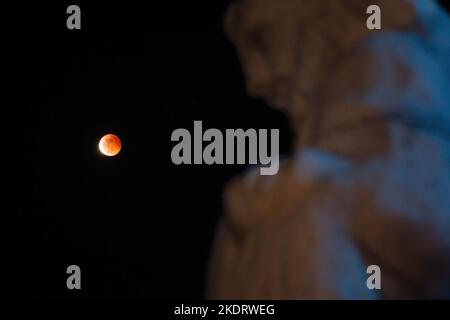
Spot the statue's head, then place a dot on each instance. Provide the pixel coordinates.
(288, 47)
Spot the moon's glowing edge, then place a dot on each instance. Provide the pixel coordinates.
(103, 149)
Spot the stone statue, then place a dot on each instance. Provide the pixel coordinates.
(369, 182)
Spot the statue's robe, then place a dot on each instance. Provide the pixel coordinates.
(373, 189)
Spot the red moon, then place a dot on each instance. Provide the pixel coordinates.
(110, 145)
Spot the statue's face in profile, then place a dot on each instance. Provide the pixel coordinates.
(288, 48)
(266, 45)
(285, 49)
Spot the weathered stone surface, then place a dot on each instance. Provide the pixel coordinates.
(370, 179)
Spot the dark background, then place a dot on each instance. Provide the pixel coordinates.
(137, 225)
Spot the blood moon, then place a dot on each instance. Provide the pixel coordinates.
(110, 145)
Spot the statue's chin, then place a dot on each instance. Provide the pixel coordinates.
(281, 104)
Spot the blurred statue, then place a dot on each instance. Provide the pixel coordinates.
(369, 182)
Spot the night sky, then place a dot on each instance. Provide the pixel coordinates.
(136, 224)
